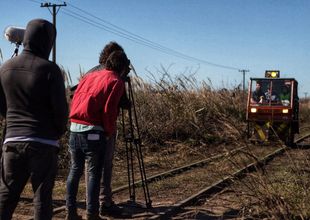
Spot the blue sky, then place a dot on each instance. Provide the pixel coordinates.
(233, 34)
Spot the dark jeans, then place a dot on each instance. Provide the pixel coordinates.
(106, 178)
(21, 160)
(85, 147)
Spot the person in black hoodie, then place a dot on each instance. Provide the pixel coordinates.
(33, 103)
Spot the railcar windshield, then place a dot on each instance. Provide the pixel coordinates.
(271, 92)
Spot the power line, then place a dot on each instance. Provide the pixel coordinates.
(114, 29)
(119, 31)
(136, 38)
(35, 1)
(124, 35)
(129, 37)
(116, 32)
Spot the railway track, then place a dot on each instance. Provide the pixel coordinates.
(217, 186)
(60, 207)
(208, 191)
(304, 133)
(302, 137)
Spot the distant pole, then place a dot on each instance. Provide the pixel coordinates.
(243, 83)
(306, 95)
(54, 13)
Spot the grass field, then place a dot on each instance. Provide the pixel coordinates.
(194, 116)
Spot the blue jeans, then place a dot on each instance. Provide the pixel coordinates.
(85, 146)
(106, 178)
(21, 160)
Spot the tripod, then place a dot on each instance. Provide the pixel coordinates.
(133, 143)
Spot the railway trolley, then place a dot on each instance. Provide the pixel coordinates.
(272, 108)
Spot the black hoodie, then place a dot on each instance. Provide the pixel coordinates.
(32, 90)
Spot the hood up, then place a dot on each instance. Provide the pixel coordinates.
(39, 37)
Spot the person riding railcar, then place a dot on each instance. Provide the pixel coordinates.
(258, 95)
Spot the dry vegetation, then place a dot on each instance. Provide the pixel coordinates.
(182, 110)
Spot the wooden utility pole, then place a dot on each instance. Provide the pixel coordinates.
(54, 13)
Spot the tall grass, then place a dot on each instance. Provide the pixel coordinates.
(181, 108)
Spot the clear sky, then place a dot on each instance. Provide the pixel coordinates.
(188, 35)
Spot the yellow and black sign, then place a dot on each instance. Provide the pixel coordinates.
(272, 74)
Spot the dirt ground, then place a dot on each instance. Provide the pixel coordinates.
(266, 194)
(245, 199)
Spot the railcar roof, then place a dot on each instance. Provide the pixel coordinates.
(273, 79)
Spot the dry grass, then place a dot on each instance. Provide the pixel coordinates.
(182, 110)
(280, 191)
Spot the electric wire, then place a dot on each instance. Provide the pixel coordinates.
(35, 1)
(116, 32)
(163, 50)
(124, 35)
(154, 45)
(140, 40)
(121, 32)
(101, 26)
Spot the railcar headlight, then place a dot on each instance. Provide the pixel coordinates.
(285, 111)
(253, 110)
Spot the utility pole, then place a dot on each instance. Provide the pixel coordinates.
(243, 83)
(305, 95)
(54, 13)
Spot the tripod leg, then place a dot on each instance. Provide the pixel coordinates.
(130, 172)
(143, 175)
(133, 192)
(130, 166)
